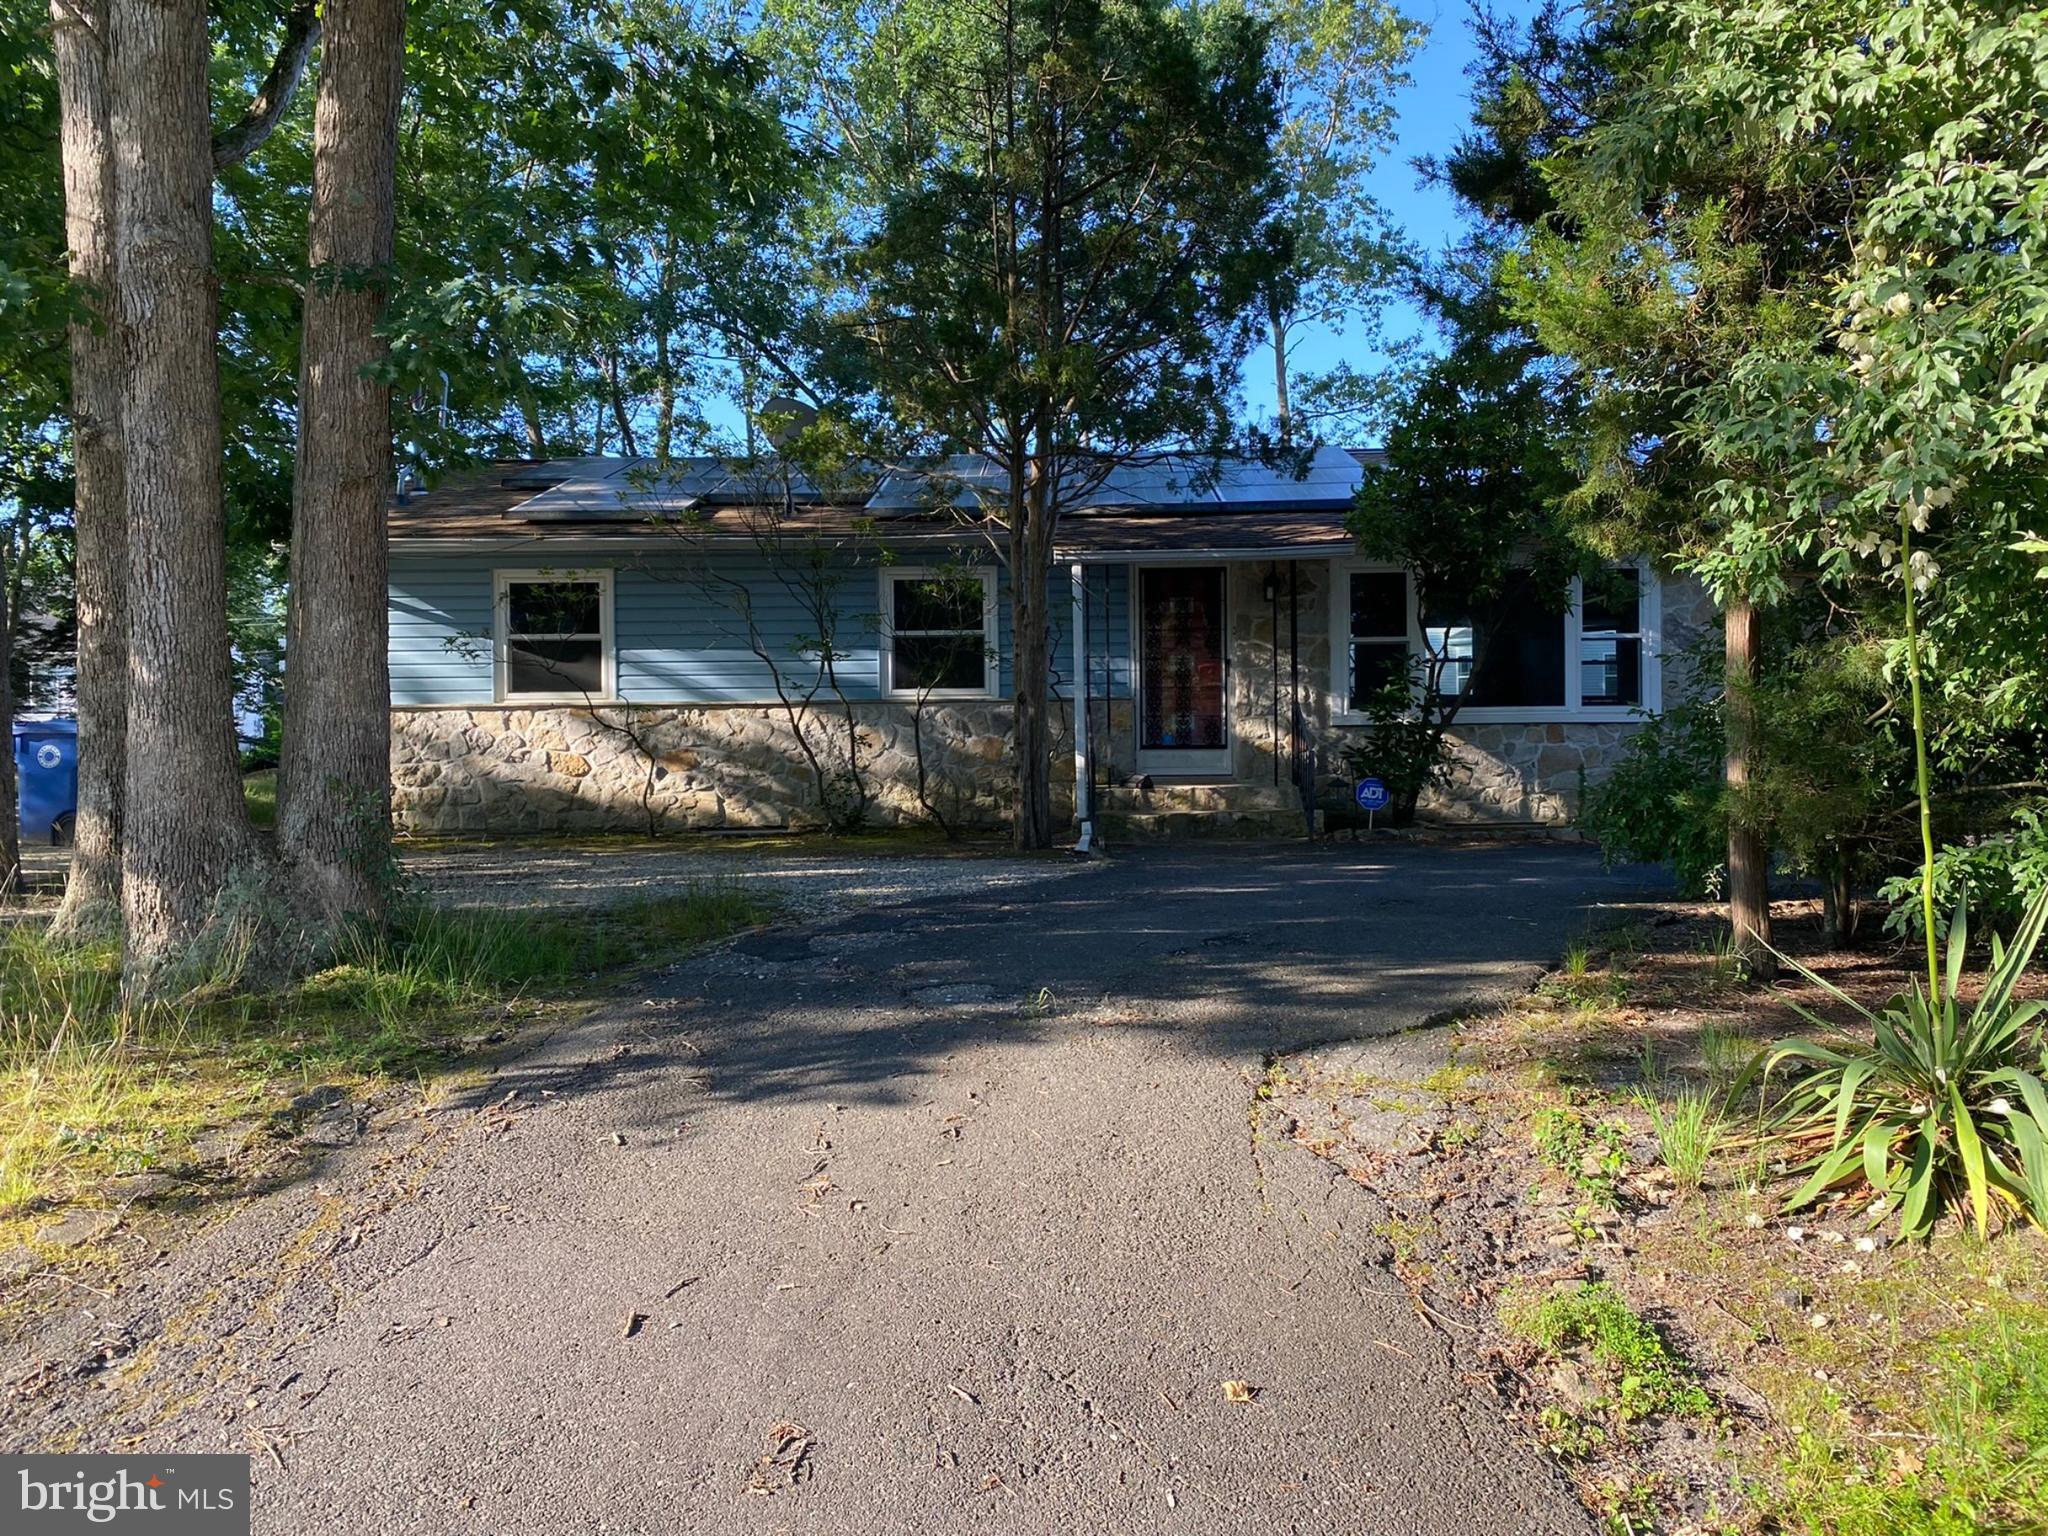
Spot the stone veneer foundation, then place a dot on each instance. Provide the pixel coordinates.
(557, 768)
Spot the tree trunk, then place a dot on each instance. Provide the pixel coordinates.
(615, 393)
(1749, 859)
(536, 434)
(1031, 507)
(334, 775)
(10, 804)
(92, 899)
(1838, 901)
(664, 366)
(186, 833)
(1277, 328)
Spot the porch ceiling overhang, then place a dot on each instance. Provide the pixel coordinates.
(1103, 538)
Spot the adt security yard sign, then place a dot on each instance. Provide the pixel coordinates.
(1371, 795)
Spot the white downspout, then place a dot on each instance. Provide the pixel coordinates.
(1084, 809)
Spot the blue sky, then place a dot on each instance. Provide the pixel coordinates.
(1432, 113)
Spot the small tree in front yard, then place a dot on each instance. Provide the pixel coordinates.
(1067, 211)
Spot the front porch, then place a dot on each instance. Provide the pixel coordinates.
(1205, 697)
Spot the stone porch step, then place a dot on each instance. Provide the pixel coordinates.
(1173, 826)
(1198, 809)
(1167, 796)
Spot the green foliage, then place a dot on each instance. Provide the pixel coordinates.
(1569, 1437)
(1832, 764)
(1796, 261)
(1647, 1377)
(1066, 209)
(625, 238)
(1946, 1109)
(1401, 745)
(1467, 500)
(1997, 875)
(1664, 802)
(1828, 769)
(1592, 1157)
(1336, 66)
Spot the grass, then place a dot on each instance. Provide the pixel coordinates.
(259, 793)
(1971, 1460)
(1833, 1381)
(90, 1092)
(1724, 1052)
(1907, 1384)
(1689, 1131)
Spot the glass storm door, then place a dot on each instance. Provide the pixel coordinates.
(1183, 715)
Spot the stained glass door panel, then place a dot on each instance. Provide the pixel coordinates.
(1181, 707)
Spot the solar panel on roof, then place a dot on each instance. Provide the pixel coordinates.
(549, 472)
(628, 490)
(959, 480)
(1176, 481)
(1330, 476)
(1166, 482)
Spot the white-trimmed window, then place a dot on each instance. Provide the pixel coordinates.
(554, 636)
(1611, 632)
(938, 632)
(1375, 605)
(1594, 658)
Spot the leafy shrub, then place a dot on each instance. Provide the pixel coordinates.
(1946, 1106)
(1997, 875)
(1664, 802)
(1403, 745)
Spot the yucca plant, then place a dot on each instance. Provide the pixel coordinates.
(1947, 1105)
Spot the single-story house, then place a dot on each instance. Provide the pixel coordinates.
(609, 643)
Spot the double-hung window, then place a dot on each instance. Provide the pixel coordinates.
(1611, 640)
(938, 633)
(554, 635)
(1375, 650)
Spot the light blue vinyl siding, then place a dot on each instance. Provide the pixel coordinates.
(682, 637)
(440, 631)
(1109, 631)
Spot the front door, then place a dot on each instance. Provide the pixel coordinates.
(1183, 692)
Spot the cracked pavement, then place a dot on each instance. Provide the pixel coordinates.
(942, 1217)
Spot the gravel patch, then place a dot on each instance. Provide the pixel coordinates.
(802, 884)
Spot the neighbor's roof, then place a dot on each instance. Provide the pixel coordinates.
(1166, 502)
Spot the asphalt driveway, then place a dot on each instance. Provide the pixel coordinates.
(940, 1217)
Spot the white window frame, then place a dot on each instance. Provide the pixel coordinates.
(502, 581)
(991, 658)
(1650, 618)
(1341, 712)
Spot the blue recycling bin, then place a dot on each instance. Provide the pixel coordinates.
(46, 769)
